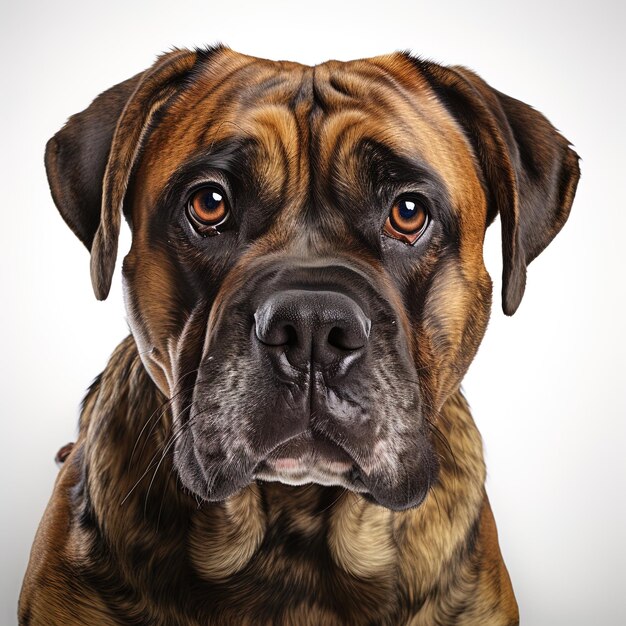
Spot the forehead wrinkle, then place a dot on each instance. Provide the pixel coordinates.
(276, 132)
(400, 123)
(413, 120)
(458, 159)
(183, 128)
(210, 91)
(220, 99)
(232, 83)
(331, 132)
(213, 96)
(366, 85)
(343, 153)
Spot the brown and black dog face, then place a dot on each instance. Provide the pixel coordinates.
(306, 279)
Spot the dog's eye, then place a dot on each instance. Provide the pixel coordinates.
(207, 208)
(408, 219)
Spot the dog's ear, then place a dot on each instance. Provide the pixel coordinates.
(529, 169)
(89, 161)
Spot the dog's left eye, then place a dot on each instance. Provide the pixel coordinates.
(408, 219)
(207, 208)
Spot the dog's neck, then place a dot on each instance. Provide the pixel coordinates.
(144, 532)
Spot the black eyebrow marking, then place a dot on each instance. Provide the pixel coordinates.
(389, 172)
(231, 157)
(231, 162)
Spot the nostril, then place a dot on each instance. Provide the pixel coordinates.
(291, 335)
(275, 334)
(344, 340)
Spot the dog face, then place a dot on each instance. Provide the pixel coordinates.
(306, 281)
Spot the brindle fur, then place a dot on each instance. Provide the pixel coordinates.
(131, 534)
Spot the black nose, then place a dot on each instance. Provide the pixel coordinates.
(318, 327)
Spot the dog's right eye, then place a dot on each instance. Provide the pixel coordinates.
(207, 209)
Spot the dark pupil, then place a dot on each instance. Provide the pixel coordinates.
(407, 209)
(211, 200)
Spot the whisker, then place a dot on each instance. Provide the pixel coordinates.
(342, 493)
(148, 468)
(444, 440)
(173, 439)
(163, 407)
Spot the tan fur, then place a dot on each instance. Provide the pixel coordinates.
(224, 539)
(122, 541)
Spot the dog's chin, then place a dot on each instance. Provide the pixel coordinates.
(304, 460)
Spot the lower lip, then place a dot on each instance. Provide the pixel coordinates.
(297, 465)
(286, 464)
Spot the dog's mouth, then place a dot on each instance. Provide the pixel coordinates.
(310, 458)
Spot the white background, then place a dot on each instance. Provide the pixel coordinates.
(547, 387)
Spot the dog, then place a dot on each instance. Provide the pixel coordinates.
(282, 439)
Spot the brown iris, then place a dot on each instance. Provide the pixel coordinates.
(207, 207)
(408, 219)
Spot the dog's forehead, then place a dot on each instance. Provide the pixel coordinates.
(310, 116)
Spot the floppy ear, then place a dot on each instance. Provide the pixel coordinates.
(90, 160)
(529, 170)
